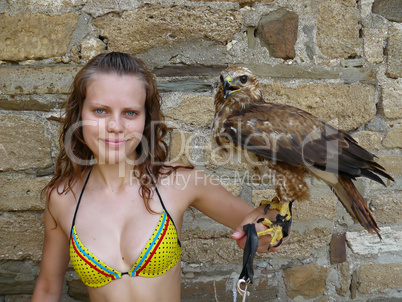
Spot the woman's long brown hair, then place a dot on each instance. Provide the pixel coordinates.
(75, 157)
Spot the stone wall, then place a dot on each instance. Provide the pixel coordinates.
(338, 59)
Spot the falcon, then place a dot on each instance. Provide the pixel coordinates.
(289, 144)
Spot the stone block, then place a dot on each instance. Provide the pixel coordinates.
(393, 139)
(90, 47)
(391, 98)
(379, 278)
(391, 163)
(78, 290)
(326, 101)
(338, 29)
(322, 206)
(278, 32)
(144, 28)
(368, 140)
(305, 244)
(35, 36)
(258, 195)
(17, 278)
(394, 52)
(315, 72)
(213, 250)
(195, 110)
(345, 278)
(338, 248)
(308, 281)
(364, 243)
(373, 44)
(15, 228)
(31, 102)
(23, 144)
(387, 207)
(103, 7)
(180, 149)
(37, 80)
(21, 193)
(389, 9)
(192, 291)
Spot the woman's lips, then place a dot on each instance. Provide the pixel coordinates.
(115, 142)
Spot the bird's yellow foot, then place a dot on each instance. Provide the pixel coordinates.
(281, 227)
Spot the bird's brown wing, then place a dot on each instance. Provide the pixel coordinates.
(288, 134)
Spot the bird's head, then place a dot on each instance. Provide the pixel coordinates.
(239, 84)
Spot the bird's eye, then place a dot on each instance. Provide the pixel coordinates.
(243, 79)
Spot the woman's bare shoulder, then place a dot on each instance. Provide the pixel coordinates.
(62, 197)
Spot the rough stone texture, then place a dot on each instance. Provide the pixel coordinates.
(17, 278)
(394, 51)
(338, 248)
(21, 193)
(317, 207)
(27, 148)
(31, 102)
(180, 150)
(90, 47)
(139, 30)
(278, 32)
(37, 80)
(78, 290)
(390, 9)
(391, 98)
(15, 228)
(374, 278)
(196, 110)
(348, 75)
(330, 102)
(302, 245)
(387, 207)
(205, 291)
(212, 250)
(103, 7)
(35, 36)
(391, 163)
(368, 140)
(393, 139)
(373, 44)
(364, 243)
(338, 29)
(307, 281)
(345, 278)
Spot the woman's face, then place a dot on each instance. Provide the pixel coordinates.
(113, 117)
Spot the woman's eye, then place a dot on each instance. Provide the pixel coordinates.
(100, 111)
(243, 79)
(130, 113)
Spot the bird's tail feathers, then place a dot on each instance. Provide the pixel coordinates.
(355, 204)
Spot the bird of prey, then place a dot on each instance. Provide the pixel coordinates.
(291, 144)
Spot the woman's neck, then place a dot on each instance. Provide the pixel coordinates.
(113, 176)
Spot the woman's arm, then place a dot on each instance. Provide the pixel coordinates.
(55, 258)
(217, 203)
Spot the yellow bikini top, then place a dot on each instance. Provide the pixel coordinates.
(160, 254)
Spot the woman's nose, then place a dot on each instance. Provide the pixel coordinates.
(114, 125)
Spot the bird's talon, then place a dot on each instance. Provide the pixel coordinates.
(279, 243)
(266, 208)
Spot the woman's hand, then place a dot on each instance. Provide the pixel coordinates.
(263, 242)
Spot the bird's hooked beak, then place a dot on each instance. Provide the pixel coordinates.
(228, 88)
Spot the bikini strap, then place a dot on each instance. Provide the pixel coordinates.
(164, 208)
(79, 199)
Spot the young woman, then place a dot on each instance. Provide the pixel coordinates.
(114, 206)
